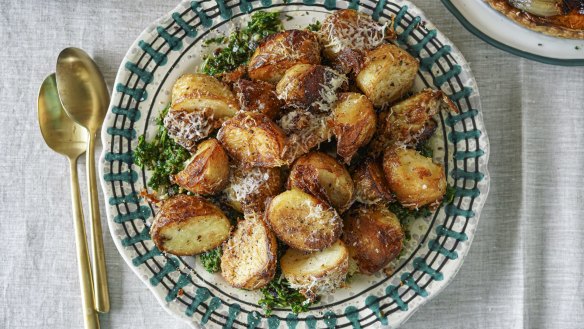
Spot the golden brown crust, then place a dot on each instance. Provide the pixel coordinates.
(302, 221)
(350, 29)
(197, 92)
(374, 237)
(387, 75)
(354, 123)
(208, 171)
(248, 189)
(249, 256)
(370, 184)
(324, 177)
(415, 180)
(307, 86)
(569, 26)
(253, 140)
(280, 51)
(257, 96)
(176, 218)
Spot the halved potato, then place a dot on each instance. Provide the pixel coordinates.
(370, 184)
(253, 140)
(257, 96)
(208, 171)
(387, 75)
(189, 225)
(374, 237)
(415, 180)
(305, 130)
(324, 177)
(248, 189)
(302, 221)
(351, 29)
(314, 87)
(318, 272)
(280, 51)
(249, 256)
(354, 123)
(200, 104)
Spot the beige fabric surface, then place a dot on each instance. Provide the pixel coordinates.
(524, 270)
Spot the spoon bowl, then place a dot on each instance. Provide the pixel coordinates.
(60, 132)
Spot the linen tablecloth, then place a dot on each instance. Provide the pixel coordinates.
(524, 270)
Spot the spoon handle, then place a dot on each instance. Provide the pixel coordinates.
(90, 317)
(100, 286)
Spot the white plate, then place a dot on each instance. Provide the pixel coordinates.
(172, 46)
(493, 27)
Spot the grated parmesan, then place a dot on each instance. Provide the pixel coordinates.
(188, 127)
(362, 34)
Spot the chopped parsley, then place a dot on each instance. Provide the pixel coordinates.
(162, 155)
(449, 195)
(314, 27)
(425, 150)
(279, 294)
(403, 214)
(211, 260)
(242, 43)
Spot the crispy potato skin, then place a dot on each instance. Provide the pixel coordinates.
(250, 255)
(253, 140)
(318, 272)
(307, 86)
(324, 177)
(257, 96)
(349, 29)
(248, 189)
(387, 75)
(354, 123)
(179, 210)
(197, 92)
(305, 130)
(415, 180)
(374, 237)
(302, 221)
(370, 184)
(208, 172)
(280, 51)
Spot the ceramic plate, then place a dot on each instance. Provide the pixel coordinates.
(493, 27)
(171, 47)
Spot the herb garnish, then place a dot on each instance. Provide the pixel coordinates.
(162, 155)
(314, 27)
(211, 260)
(279, 294)
(426, 150)
(242, 43)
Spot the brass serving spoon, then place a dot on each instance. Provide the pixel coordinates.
(69, 139)
(85, 98)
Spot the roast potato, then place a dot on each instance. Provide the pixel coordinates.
(354, 123)
(324, 177)
(308, 86)
(257, 96)
(249, 256)
(305, 130)
(415, 180)
(189, 225)
(207, 173)
(280, 51)
(348, 28)
(318, 272)
(248, 189)
(374, 237)
(370, 184)
(387, 75)
(302, 221)
(253, 140)
(200, 104)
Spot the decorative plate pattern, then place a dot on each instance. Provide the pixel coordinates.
(173, 46)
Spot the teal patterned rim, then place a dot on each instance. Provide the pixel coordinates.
(181, 288)
(472, 29)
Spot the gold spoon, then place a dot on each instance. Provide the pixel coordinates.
(69, 139)
(85, 98)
